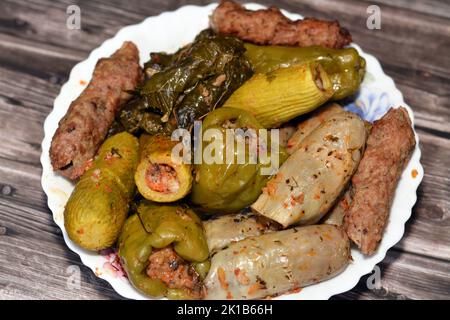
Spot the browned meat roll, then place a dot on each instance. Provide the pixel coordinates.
(389, 148)
(270, 26)
(85, 125)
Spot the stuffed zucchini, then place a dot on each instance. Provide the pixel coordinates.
(158, 177)
(283, 94)
(98, 207)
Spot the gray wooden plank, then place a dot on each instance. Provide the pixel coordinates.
(41, 270)
(431, 7)
(405, 276)
(427, 232)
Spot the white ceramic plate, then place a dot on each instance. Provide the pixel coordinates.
(169, 31)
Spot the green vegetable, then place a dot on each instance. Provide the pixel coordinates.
(202, 268)
(229, 187)
(185, 86)
(98, 207)
(345, 67)
(136, 117)
(156, 227)
(283, 94)
(158, 177)
(158, 61)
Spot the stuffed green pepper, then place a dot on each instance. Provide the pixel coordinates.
(164, 251)
(345, 67)
(235, 180)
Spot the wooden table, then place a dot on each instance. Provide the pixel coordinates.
(37, 52)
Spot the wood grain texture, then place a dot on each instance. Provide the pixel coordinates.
(37, 52)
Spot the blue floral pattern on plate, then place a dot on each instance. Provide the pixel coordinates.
(369, 104)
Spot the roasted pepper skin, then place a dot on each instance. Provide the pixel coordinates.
(156, 227)
(226, 188)
(98, 207)
(345, 67)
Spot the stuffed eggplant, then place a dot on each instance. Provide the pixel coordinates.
(164, 251)
(337, 213)
(309, 182)
(314, 120)
(158, 177)
(277, 262)
(224, 230)
(98, 207)
(228, 186)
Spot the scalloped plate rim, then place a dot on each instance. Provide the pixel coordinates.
(121, 285)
